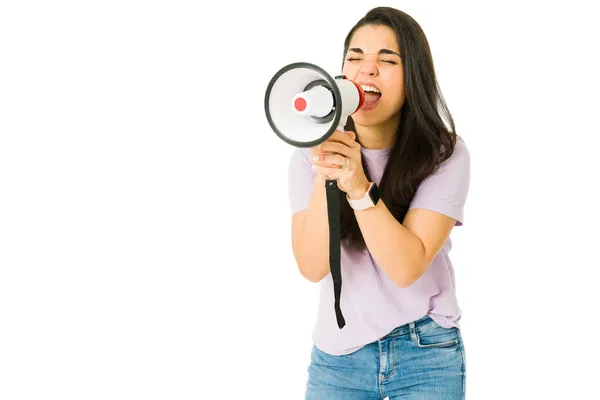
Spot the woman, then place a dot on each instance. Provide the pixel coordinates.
(401, 335)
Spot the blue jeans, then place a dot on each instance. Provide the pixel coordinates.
(419, 360)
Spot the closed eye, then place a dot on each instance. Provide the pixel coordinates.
(385, 61)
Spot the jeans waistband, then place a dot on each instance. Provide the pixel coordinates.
(420, 325)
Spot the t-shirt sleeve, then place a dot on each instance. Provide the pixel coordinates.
(301, 180)
(446, 190)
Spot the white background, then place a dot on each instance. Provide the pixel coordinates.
(144, 223)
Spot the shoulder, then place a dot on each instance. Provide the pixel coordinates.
(460, 158)
(300, 154)
(461, 151)
(461, 147)
(446, 189)
(300, 163)
(456, 168)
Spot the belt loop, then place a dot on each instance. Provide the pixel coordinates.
(411, 329)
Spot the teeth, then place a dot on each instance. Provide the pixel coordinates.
(367, 88)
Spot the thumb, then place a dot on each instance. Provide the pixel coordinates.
(351, 134)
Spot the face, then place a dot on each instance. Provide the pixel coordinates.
(373, 61)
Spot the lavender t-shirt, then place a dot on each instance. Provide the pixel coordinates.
(371, 303)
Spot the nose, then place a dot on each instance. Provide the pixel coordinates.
(368, 67)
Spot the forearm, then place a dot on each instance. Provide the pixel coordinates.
(397, 251)
(311, 246)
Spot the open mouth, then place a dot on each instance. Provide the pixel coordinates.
(372, 97)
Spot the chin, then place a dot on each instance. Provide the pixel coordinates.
(367, 118)
(374, 117)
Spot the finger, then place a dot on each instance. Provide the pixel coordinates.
(330, 172)
(348, 138)
(336, 147)
(340, 136)
(332, 159)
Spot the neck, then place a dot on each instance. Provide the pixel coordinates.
(381, 136)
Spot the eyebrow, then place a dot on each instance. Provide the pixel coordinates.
(382, 51)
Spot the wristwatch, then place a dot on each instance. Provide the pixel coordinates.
(369, 200)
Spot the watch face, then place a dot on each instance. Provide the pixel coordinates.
(374, 193)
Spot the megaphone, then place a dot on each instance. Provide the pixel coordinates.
(305, 105)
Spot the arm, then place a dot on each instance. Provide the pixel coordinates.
(310, 235)
(403, 251)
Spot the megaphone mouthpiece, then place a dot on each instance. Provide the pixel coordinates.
(316, 102)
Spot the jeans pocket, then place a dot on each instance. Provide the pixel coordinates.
(438, 337)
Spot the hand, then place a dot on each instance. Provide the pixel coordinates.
(331, 157)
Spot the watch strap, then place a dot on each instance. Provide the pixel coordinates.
(363, 203)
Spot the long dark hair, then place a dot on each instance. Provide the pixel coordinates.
(422, 141)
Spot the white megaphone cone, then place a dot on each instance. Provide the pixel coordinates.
(305, 105)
